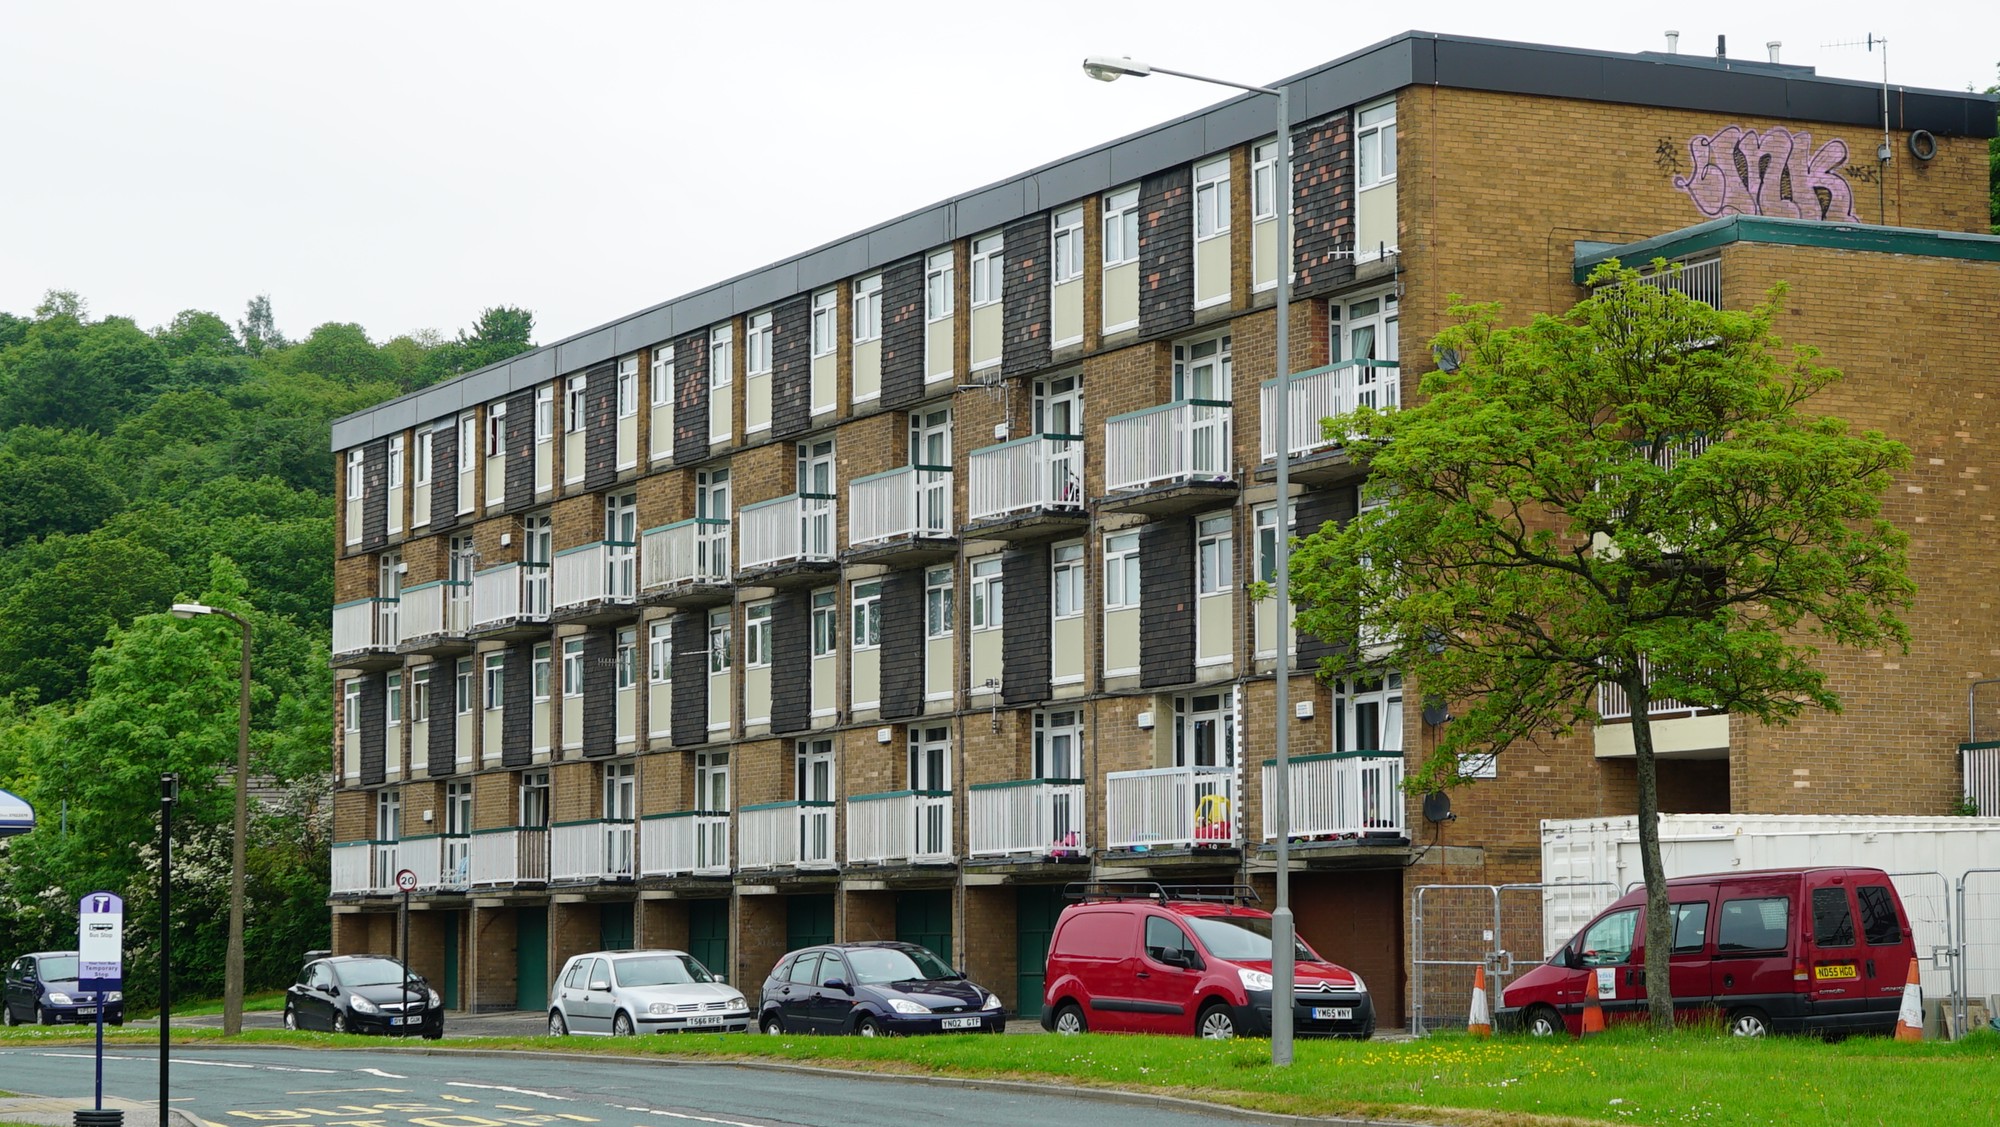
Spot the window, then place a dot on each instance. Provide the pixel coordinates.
(1214, 547)
(1164, 935)
(720, 357)
(627, 658)
(468, 448)
(1375, 145)
(1833, 920)
(1121, 227)
(496, 430)
(535, 799)
(1066, 245)
(868, 308)
(825, 322)
(1205, 730)
(388, 815)
(867, 615)
(462, 685)
(757, 636)
(350, 704)
(396, 462)
(573, 399)
(1266, 518)
(987, 262)
(572, 669)
(545, 413)
(1879, 924)
(757, 345)
(539, 675)
(496, 680)
(718, 641)
(628, 387)
(1059, 744)
(1204, 369)
(1608, 942)
(1211, 198)
(937, 603)
(421, 472)
(420, 694)
(1066, 579)
(1264, 181)
(938, 282)
(356, 459)
(825, 623)
(660, 651)
(1368, 713)
(1690, 927)
(392, 706)
(985, 593)
(1760, 924)
(1121, 571)
(663, 375)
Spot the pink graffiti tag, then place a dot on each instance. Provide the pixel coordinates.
(1740, 171)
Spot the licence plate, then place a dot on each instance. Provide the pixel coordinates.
(960, 1023)
(1333, 1013)
(705, 1019)
(410, 1019)
(1837, 970)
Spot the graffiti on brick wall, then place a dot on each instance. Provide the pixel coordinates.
(1777, 172)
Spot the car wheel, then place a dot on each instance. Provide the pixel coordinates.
(291, 1019)
(621, 1026)
(1541, 1021)
(434, 1034)
(119, 1020)
(557, 1026)
(1749, 1023)
(771, 1025)
(869, 1027)
(1216, 1024)
(7, 1014)
(1070, 1019)
(42, 1016)
(339, 1021)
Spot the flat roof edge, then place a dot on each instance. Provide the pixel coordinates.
(1715, 233)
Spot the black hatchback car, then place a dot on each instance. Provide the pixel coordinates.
(874, 989)
(41, 988)
(363, 994)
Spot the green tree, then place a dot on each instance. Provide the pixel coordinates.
(1632, 492)
(340, 350)
(501, 332)
(56, 481)
(258, 328)
(197, 333)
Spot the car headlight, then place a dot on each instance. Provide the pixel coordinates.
(362, 1005)
(1360, 987)
(737, 1003)
(114, 995)
(659, 1007)
(437, 1003)
(57, 998)
(905, 1006)
(992, 1002)
(1254, 979)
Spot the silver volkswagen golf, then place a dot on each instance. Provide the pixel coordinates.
(619, 993)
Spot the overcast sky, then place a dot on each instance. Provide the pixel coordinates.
(406, 165)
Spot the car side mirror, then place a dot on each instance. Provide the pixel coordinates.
(840, 984)
(600, 984)
(1173, 956)
(332, 991)
(1572, 958)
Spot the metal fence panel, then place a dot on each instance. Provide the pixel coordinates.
(1453, 928)
(1978, 940)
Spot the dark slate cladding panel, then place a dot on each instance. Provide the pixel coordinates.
(1166, 252)
(1024, 289)
(791, 662)
(791, 368)
(902, 644)
(444, 477)
(1319, 507)
(691, 401)
(375, 495)
(903, 333)
(600, 426)
(443, 750)
(1166, 593)
(374, 742)
(690, 678)
(600, 694)
(520, 453)
(517, 721)
(1024, 602)
(1323, 205)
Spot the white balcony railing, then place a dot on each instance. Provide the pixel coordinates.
(510, 856)
(1614, 704)
(1043, 471)
(692, 553)
(1044, 817)
(599, 849)
(1170, 807)
(683, 843)
(440, 861)
(913, 501)
(364, 626)
(432, 610)
(1322, 393)
(1345, 794)
(1982, 776)
(1183, 441)
(779, 834)
(797, 527)
(904, 825)
(1701, 281)
(356, 865)
(514, 592)
(594, 574)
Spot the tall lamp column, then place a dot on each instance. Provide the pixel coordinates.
(232, 965)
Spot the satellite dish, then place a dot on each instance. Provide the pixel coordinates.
(1437, 807)
(1435, 711)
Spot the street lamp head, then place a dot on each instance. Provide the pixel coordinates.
(190, 610)
(1105, 68)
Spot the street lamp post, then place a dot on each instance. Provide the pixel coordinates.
(1283, 945)
(232, 964)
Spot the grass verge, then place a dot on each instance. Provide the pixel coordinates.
(252, 1003)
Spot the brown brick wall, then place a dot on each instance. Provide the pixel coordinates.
(493, 963)
(986, 936)
(661, 923)
(573, 929)
(760, 938)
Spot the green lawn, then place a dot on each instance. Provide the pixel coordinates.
(1626, 1076)
(252, 1003)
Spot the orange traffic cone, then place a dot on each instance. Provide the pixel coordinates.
(1910, 1022)
(1480, 1022)
(1593, 1016)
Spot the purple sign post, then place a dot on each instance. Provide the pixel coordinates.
(100, 960)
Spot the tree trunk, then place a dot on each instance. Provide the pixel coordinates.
(1659, 937)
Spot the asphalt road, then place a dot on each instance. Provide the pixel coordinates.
(366, 1088)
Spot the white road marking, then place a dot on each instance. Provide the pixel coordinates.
(339, 1091)
(286, 1068)
(505, 1088)
(383, 1075)
(217, 1063)
(695, 1118)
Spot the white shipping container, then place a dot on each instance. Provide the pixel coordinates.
(1924, 856)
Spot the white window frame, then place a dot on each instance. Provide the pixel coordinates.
(420, 694)
(1215, 554)
(660, 651)
(865, 599)
(1051, 723)
(545, 413)
(392, 698)
(1374, 135)
(989, 261)
(1120, 226)
(720, 660)
(357, 460)
(1121, 570)
(939, 283)
(825, 322)
(468, 443)
(1066, 245)
(420, 472)
(494, 683)
(985, 592)
(825, 631)
(1385, 694)
(757, 635)
(939, 596)
(575, 398)
(1264, 180)
(350, 705)
(721, 357)
(628, 387)
(1223, 359)
(463, 683)
(1211, 198)
(867, 309)
(759, 333)
(663, 375)
(395, 462)
(540, 666)
(1066, 575)
(572, 668)
(496, 429)
(625, 658)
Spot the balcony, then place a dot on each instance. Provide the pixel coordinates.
(901, 517)
(434, 618)
(1680, 730)
(1346, 795)
(1028, 488)
(510, 601)
(1171, 808)
(1031, 818)
(786, 540)
(364, 634)
(1315, 396)
(907, 826)
(509, 857)
(685, 564)
(595, 850)
(596, 582)
(364, 868)
(686, 843)
(1168, 459)
(1982, 776)
(786, 835)
(442, 862)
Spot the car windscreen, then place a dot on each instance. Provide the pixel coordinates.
(894, 964)
(659, 970)
(1240, 938)
(57, 968)
(371, 972)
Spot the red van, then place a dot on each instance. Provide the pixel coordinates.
(1771, 951)
(1140, 957)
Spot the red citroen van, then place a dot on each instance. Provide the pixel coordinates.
(1771, 951)
(1140, 957)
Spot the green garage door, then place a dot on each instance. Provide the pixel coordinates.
(531, 958)
(808, 921)
(1035, 910)
(924, 918)
(708, 935)
(614, 927)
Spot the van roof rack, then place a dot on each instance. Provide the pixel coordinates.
(1085, 891)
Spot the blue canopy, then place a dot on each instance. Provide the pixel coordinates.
(16, 816)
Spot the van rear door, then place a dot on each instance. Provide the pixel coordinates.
(1833, 958)
(1754, 931)
(1888, 947)
(1689, 965)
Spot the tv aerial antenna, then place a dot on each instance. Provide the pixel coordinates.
(1870, 42)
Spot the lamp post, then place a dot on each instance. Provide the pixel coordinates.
(1283, 945)
(232, 963)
